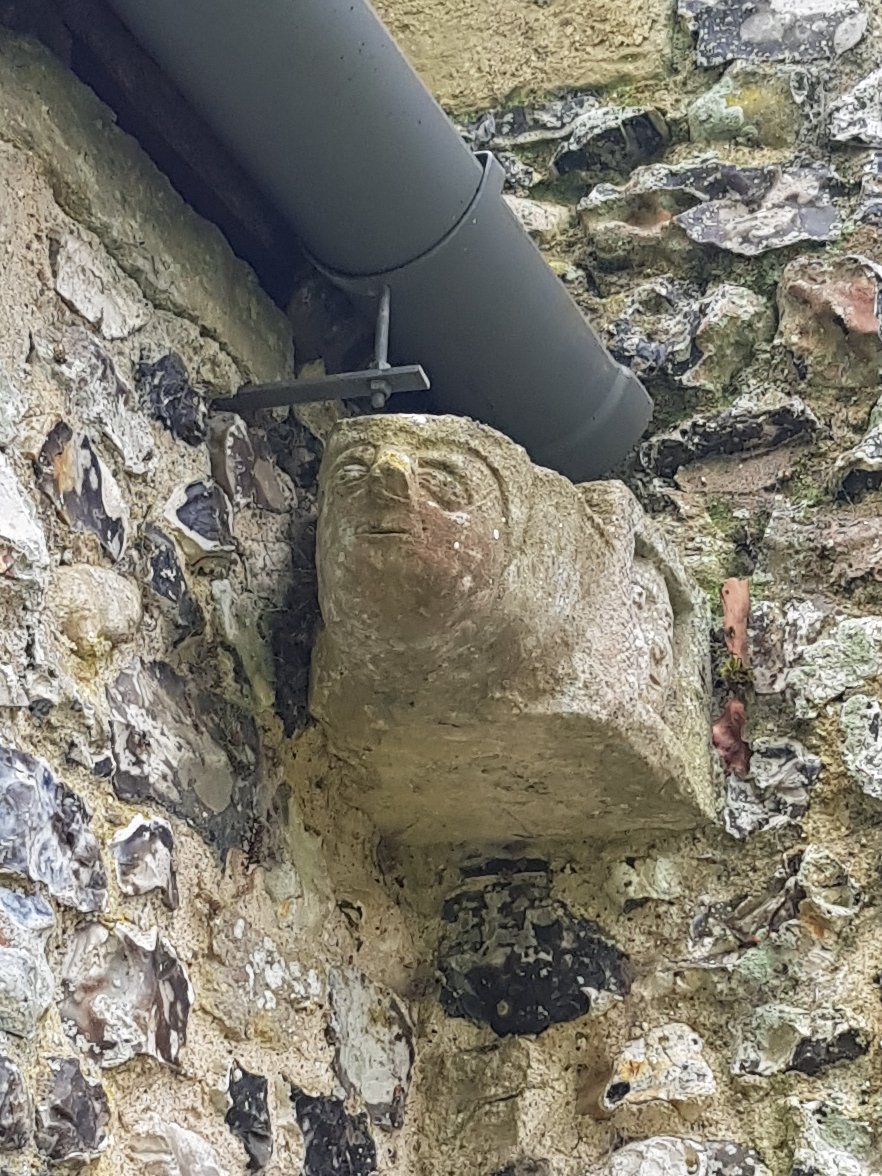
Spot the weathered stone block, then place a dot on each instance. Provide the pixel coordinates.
(504, 654)
(472, 53)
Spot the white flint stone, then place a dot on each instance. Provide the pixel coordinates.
(768, 1042)
(26, 981)
(143, 855)
(104, 401)
(861, 723)
(12, 406)
(832, 895)
(240, 615)
(866, 456)
(159, 1147)
(666, 1155)
(96, 608)
(856, 117)
(544, 222)
(201, 515)
(94, 285)
(636, 880)
(23, 552)
(666, 1065)
(374, 1043)
(844, 657)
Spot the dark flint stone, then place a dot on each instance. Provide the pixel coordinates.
(518, 960)
(193, 752)
(738, 429)
(759, 30)
(72, 1120)
(811, 1057)
(206, 512)
(166, 578)
(248, 1118)
(336, 1143)
(293, 630)
(16, 1114)
(45, 834)
(170, 398)
(71, 475)
(612, 140)
(725, 1158)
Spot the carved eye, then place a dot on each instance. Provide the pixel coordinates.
(352, 471)
(444, 487)
(354, 465)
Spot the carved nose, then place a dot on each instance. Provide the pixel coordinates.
(392, 474)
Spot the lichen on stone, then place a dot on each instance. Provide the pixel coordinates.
(859, 469)
(830, 320)
(16, 1111)
(860, 720)
(750, 424)
(699, 341)
(843, 657)
(776, 791)
(856, 116)
(779, 1038)
(527, 124)
(755, 103)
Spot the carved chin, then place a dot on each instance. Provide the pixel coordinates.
(398, 587)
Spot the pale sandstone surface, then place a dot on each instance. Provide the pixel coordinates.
(480, 52)
(502, 651)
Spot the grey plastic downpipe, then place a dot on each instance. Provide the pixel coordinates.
(320, 106)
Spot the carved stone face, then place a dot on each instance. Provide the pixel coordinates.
(412, 529)
(654, 630)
